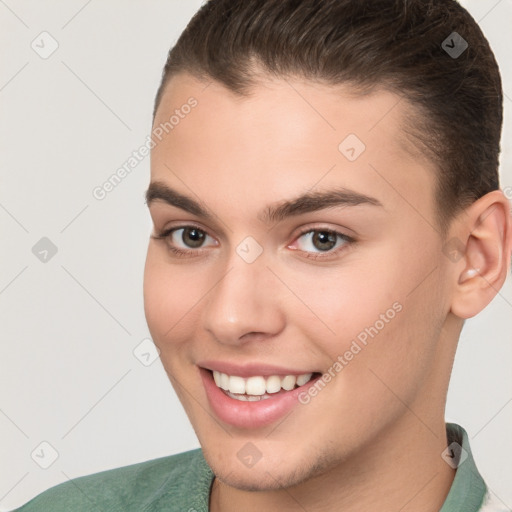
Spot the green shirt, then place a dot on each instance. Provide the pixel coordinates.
(182, 482)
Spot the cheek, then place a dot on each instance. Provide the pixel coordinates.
(170, 293)
(372, 315)
(342, 303)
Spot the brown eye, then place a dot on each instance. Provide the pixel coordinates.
(324, 240)
(192, 237)
(322, 243)
(185, 239)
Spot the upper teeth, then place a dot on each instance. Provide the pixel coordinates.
(259, 385)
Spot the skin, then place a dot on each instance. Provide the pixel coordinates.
(356, 445)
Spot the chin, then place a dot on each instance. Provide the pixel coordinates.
(261, 480)
(269, 475)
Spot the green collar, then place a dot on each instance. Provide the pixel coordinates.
(468, 488)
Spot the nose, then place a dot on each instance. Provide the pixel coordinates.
(244, 304)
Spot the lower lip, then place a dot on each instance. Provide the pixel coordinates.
(247, 415)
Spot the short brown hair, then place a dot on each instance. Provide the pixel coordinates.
(393, 44)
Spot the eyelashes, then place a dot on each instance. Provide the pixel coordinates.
(336, 241)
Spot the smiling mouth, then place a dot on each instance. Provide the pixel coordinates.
(256, 388)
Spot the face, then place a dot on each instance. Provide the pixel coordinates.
(313, 314)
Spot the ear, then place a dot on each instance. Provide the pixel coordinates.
(485, 241)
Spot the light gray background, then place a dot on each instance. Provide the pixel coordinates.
(69, 326)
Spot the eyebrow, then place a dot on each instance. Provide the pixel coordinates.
(305, 203)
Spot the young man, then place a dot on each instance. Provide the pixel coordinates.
(327, 213)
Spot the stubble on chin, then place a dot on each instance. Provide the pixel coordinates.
(274, 479)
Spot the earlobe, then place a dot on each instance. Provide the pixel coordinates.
(488, 231)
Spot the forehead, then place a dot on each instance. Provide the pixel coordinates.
(331, 105)
(284, 132)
